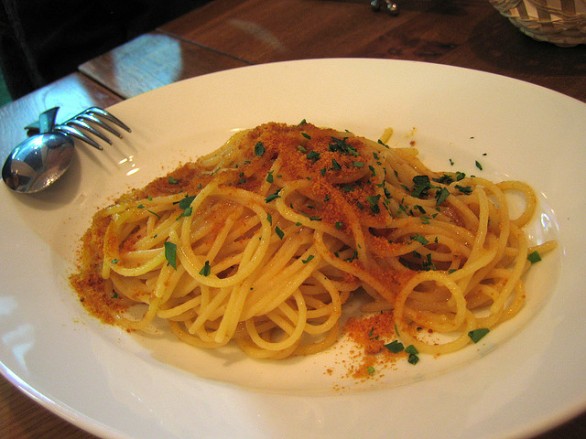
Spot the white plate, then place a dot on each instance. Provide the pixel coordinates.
(527, 376)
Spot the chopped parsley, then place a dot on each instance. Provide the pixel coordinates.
(171, 254)
(422, 185)
(413, 354)
(427, 264)
(478, 165)
(464, 189)
(534, 257)
(441, 196)
(395, 346)
(477, 334)
(186, 201)
(154, 213)
(206, 269)
(420, 209)
(259, 149)
(342, 146)
(279, 232)
(313, 156)
(172, 180)
(185, 205)
(309, 258)
(420, 238)
(272, 197)
(373, 202)
(448, 178)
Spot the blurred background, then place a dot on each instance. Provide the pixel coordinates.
(43, 40)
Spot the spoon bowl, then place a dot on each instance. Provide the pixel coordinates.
(38, 162)
(43, 158)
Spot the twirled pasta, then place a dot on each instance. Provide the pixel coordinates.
(263, 241)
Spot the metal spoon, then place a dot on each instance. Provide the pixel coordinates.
(40, 160)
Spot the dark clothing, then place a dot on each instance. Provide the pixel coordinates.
(43, 40)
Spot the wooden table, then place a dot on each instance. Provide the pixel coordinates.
(227, 34)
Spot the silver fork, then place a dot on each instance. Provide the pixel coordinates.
(88, 122)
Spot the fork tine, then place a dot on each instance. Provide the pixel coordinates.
(99, 122)
(88, 127)
(88, 122)
(78, 134)
(109, 116)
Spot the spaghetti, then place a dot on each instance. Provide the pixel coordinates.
(263, 241)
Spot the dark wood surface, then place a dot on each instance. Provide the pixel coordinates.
(232, 33)
(228, 34)
(153, 60)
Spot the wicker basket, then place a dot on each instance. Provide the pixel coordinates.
(561, 22)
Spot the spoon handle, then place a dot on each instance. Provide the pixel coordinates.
(47, 120)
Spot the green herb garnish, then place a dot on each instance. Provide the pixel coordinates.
(373, 202)
(342, 146)
(171, 254)
(313, 156)
(395, 346)
(464, 189)
(477, 334)
(534, 257)
(154, 213)
(413, 354)
(421, 187)
(206, 269)
(259, 149)
(441, 196)
(185, 205)
(272, 197)
(420, 238)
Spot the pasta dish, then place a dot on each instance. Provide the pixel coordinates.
(262, 242)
